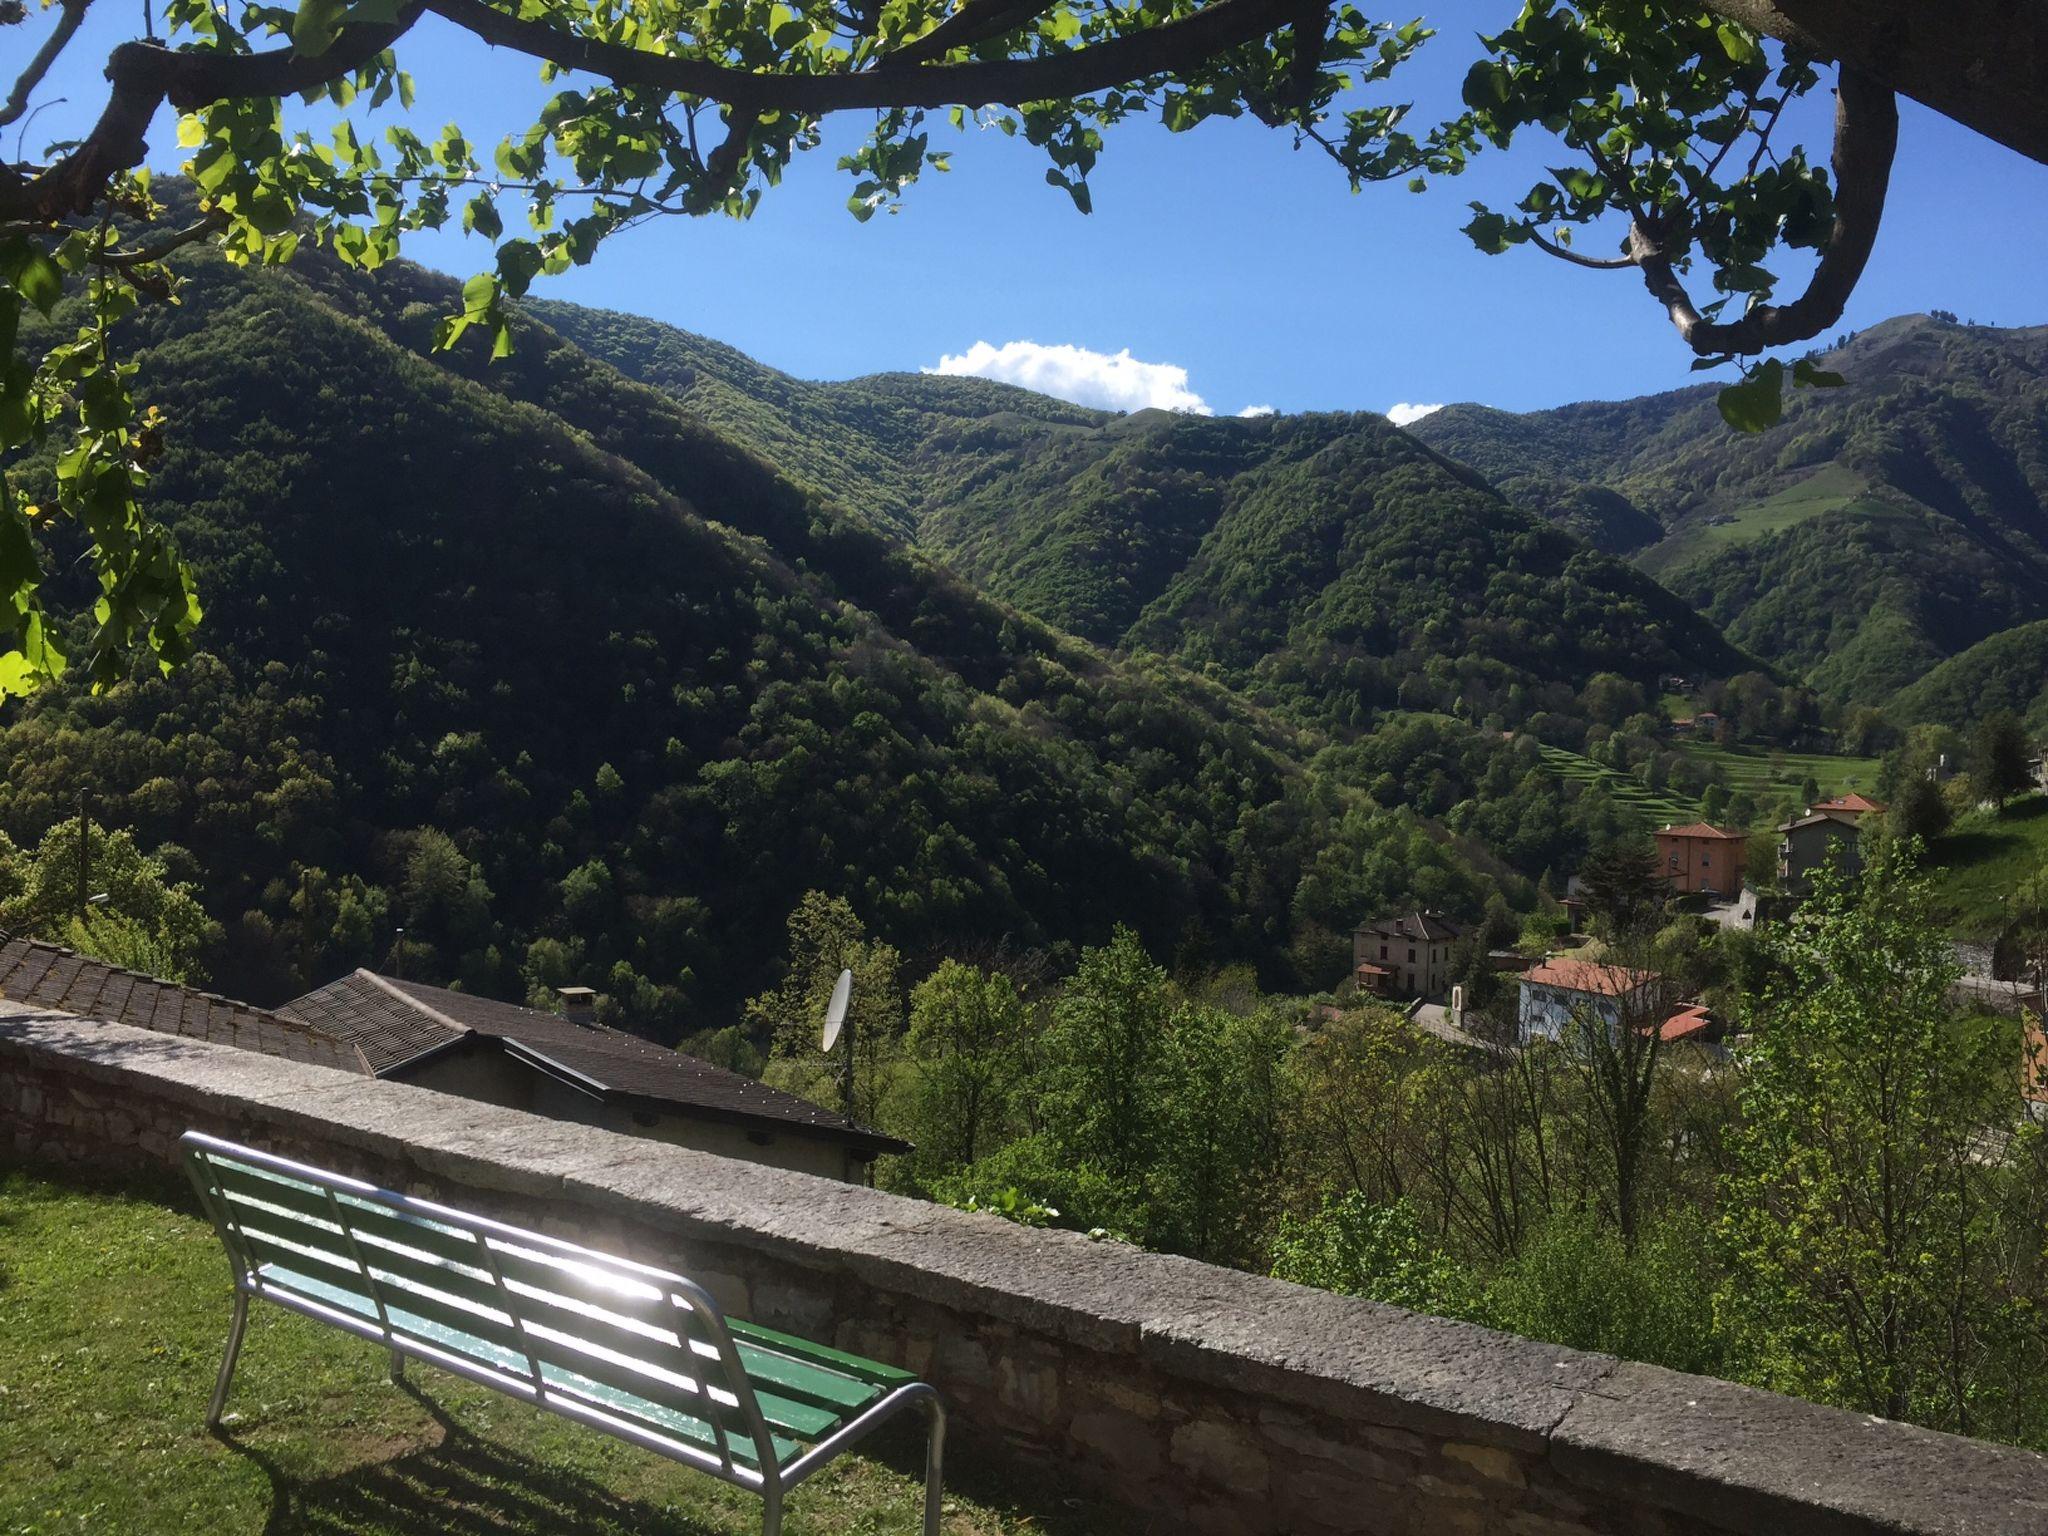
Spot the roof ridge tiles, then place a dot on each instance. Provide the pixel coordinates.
(395, 989)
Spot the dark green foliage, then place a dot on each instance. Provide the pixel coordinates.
(2001, 763)
(1625, 891)
(1328, 559)
(526, 660)
(2009, 671)
(1918, 810)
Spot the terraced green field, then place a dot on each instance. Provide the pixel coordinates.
(1776, 777)
(1827, 490)
(1658, 806)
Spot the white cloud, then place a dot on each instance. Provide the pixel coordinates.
(1111, 381)
(1406, 415)
(1256, 410)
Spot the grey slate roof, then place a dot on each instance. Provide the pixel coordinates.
(397, 1022)
(51, 976)
(1433, 927)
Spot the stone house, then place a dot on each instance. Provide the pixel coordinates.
(1699, 857)
(569, 1067)
(1808, 842)
(1405, 956)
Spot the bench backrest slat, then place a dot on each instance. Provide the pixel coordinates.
(623, 1339)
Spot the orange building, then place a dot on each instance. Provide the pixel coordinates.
(1702, 858)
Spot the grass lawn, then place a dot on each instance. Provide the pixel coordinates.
(1826, 490)
(1976, 865)
(1659, 806)
(114, 1308)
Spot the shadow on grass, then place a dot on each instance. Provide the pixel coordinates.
(460, 1486)
(465, 1485)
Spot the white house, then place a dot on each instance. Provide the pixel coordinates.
(1558, 991)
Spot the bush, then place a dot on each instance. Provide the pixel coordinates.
(1376, 1251)
(1576, 1285)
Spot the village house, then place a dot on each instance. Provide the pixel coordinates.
(1557, 992)
(1699, 857)
(569, 1067)
(1808, 842)
(1406, 956)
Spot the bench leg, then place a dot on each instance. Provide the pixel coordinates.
(934, 1459)
(397, 1369)
(227, 1364)
(771, 1511)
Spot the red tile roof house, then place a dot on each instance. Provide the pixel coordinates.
(1851, 804)
(1559, 992)
(1699, 857)
(573, 1068)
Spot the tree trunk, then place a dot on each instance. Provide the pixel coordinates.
(1982, 62)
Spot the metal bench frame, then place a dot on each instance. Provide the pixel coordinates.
(773, 1479)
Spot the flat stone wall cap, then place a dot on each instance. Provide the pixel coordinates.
(1364, 1361)
(204, 1073)
(1749, 1460)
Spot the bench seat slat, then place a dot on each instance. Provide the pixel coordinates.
(574, 1281)
(856, 1366)
(805, 1383)
(437, 1238)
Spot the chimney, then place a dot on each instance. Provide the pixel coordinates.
(579, 1005)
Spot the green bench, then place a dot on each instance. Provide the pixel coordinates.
(634, 1351)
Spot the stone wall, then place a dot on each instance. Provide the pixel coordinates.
(1198, 1398)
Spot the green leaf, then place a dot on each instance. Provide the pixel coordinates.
(1805, 375)
(1738, 44)
(1758, 402)
(36, 277)
(316, 26)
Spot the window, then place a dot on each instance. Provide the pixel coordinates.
(1411, 954)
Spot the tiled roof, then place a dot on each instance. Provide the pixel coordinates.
(1687, 1022)
(50, 976)
(1587, 976)
(1823, 818)
(1855, 804)
(1701, 829)
(396, 1021)
(1432, 927)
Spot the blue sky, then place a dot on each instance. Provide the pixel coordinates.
(1221, 252)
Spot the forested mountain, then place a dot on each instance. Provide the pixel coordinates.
(1878, 529)
(1329, 561)
(2008, 671)
(530, 661)
(575, 675)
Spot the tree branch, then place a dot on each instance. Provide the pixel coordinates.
(1565, 253)
(974, 22)
(1983, 63)
(1866, 139)
(146, 75)
(1183, 44)
(69, 14)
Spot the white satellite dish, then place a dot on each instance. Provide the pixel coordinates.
(835, 1011)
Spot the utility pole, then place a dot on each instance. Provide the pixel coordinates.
(84, 856)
